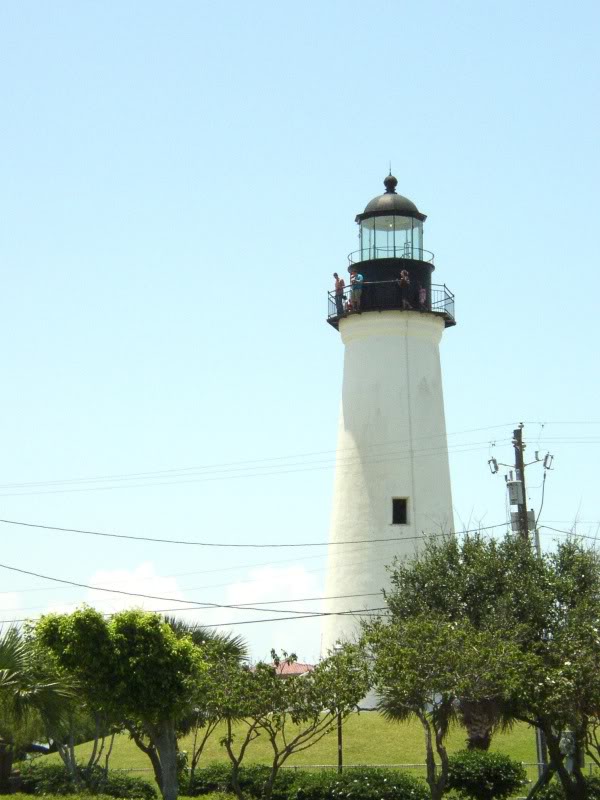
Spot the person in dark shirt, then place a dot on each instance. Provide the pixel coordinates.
(404, 284)
(339, 294)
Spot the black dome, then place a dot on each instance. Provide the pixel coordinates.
(390, 203)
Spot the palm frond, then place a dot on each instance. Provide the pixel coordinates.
(227, 644)
(392, 710)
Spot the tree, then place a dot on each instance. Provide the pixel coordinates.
(547, 608)
(479, 580)
(26, 700)
(77, 722)
(134, 667)
(294, 713)
(203, 717)
(423, 665)
(563, 693)
(76, 725)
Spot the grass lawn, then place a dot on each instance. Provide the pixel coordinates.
(368, 739)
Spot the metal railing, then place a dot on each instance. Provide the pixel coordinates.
(400, 251)
(389, 296)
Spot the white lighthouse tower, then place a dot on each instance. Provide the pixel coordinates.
(392, 479)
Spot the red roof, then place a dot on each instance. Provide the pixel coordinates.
(295, 668)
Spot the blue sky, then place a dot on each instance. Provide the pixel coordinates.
(177, 184)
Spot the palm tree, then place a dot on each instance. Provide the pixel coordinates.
(225, 643)
(218, 646)
(26, 699)
(481, 719)
(435, 718)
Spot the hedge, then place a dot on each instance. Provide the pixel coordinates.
(38, 777)
(365, 783)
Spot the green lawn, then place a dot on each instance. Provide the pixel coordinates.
(368, 739)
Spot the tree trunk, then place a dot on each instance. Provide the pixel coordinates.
(479, 719)
(108, 753)
(443, 754)
(235, 780)
(573, 786)
(270, 782)
(432, 782)
(166, 745)
(542, 781)
(148, 749)
(6, 762)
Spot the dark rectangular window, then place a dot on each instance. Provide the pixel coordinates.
(400, 511)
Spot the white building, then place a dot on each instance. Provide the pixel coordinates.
(392, 479)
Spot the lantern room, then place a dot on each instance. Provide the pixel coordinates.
(391, 226)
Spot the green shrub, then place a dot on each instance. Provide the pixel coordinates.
(484, 776)
(120, 784)
(364, 783)
(213, 778)
(217, 778)
(554, 790)
(80, 796)
(551, 792)
(39, 777)
(214, 796)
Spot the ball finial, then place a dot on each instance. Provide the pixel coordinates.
(390, 184)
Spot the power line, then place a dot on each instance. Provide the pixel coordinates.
(246, 566)
(570, 533)
(361, 612)
(284, 470)
(244, 606)
(139, 594)
(223, 465)
(236, 545)
(262, 463)
(198, 604)
(238, 606)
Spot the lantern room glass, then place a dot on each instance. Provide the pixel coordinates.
(391, 236)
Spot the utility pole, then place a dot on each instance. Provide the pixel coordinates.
(519, 447)
(340, 752)
(525, 522)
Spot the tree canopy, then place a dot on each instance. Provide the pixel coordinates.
(134, 666)
(538, 619)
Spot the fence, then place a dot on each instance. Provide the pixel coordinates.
(387, 296)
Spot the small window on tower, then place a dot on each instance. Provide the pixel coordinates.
(399, 511)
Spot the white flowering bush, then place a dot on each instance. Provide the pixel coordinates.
(358, 784)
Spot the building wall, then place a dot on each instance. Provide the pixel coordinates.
(391, 444)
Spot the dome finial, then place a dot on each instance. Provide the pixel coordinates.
(390, 183)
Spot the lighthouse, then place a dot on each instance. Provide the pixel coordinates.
(392, 478)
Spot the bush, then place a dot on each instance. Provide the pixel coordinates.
(120, 784)
(39, 777)
(554, 790)
(217, 778)
(365, 783)
(484, 776)
(81, 796)
(214, 778)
